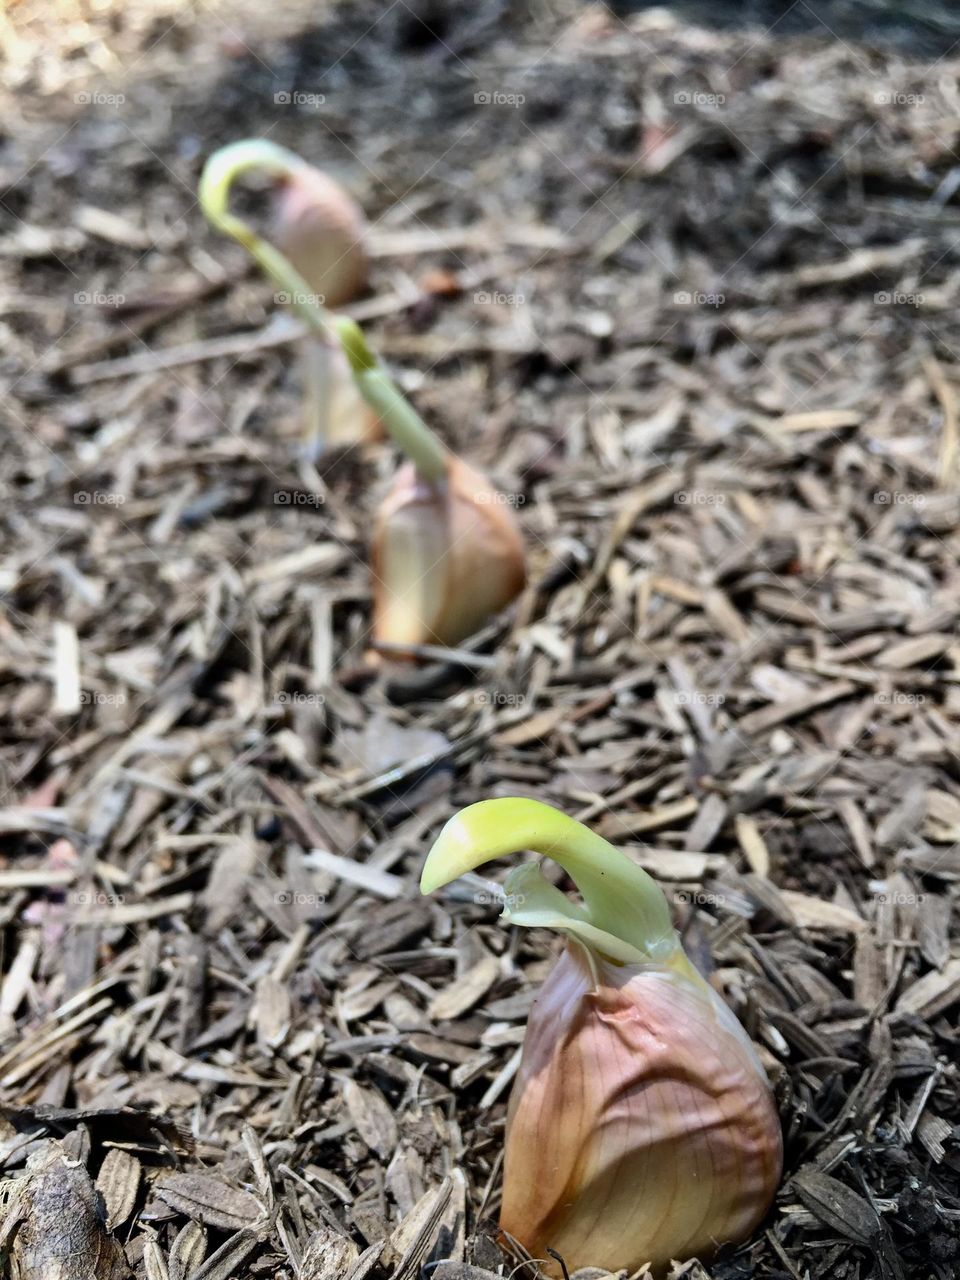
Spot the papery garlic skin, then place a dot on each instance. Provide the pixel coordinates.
(447, 555)
(641, 1126)
(321, 230)
(331, 396)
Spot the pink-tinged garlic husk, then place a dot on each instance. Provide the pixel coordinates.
(639, 1100)
(447, 554)
(321, 230)
(641, 1128)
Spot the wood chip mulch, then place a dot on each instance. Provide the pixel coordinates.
(691, 298)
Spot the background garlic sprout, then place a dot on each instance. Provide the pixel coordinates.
(447, 552)
(318, 259)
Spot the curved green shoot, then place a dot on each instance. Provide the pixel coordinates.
(624, 914)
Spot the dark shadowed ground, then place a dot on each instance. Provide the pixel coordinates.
(913, 28)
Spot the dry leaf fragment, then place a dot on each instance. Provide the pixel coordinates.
(225, 887)
(416, 1233)
(118, 1183)
(223, 1264)
(816, 913)
(914, 652)
(154, 1262)
(539, 725)
(405, 1177)
(188, 1251)
(837, 1206)
(210, 1201)
(372, 1117)
(56, 1230)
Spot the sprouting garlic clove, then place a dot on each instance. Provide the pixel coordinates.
(447, 555)
(641, 1128)
(322, 231)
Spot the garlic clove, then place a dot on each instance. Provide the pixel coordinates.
(641, 1128)
(447, 555)
(322, 231)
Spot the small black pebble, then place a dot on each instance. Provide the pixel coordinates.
(270, 829)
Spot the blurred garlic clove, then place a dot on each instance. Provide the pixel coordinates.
(322, 231)
(447, 555)
(641, 1127)
(335, 414)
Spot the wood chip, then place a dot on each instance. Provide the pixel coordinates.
(816, 913)
(468, 990)
(933, 993)
(753, 845)
(779, 713)
(914, 652)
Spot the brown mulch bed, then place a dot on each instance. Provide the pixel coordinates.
(693, 304)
